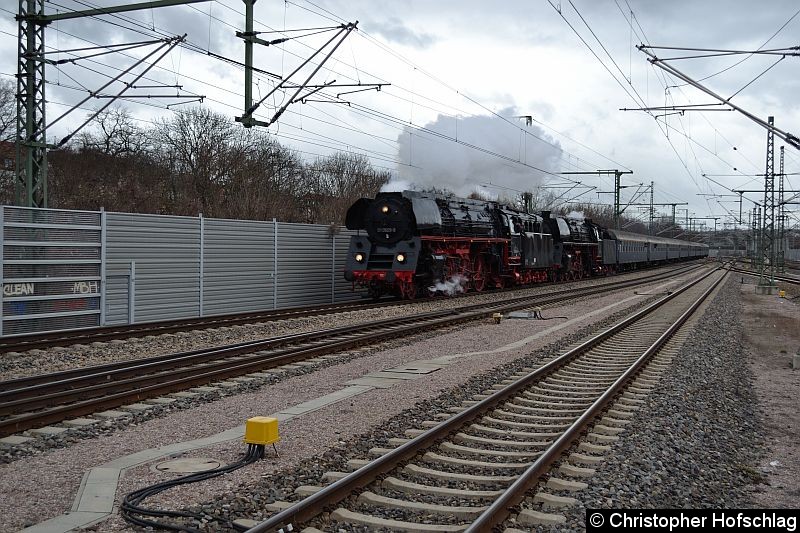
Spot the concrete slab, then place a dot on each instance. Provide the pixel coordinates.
(48, 431)
(245, 522)
(551, 501)
(414, 368)
(277, 506)
(524, 315)
(111, 414)
(65, 522)
(283, 417)
(392, 375)
(438, 361)
(188, 465)
(307, 490)
(376, 383)
(161, 400)
(531, 518)
(14, 440)
(204, 389)
(137, 407)
(99, 488)
(766, 289)
(187, 395)
(322, 401)
(80, 422)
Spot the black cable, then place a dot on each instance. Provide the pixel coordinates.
(131, 503)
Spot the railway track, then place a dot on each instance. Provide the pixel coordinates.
(782, 279)
(487, 463)
(35, 401)
(107, 333)
(19, 343)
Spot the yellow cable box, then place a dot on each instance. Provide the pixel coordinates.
(261, 430)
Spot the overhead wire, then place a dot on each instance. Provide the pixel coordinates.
(223, 103)
(661, 76)
(367, 110)
(189, 77)
(334, 18)
(624, 88)
(144, 30)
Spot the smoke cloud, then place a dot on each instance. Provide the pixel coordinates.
(464, 166)
(455, 285)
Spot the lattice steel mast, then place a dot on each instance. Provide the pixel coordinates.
(31, 142)
(766, 257)
(780, 255)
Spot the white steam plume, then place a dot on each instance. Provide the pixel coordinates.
(455, 285)
(430, 161)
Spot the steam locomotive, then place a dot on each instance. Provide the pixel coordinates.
(418, 244)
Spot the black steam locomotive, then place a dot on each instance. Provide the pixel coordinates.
(421, 243)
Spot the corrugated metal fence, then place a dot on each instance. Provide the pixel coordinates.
(119, 268)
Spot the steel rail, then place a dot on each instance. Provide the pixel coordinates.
(314, 504)
(499, 510)
(16, 343)
(784, 279)
(140, 329)
(108, 393)
(104, 371)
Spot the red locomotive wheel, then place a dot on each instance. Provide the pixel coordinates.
(479, 273)
(408, 291)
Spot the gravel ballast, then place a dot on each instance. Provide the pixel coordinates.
(696, 440)
(33, 362)
(47, 483)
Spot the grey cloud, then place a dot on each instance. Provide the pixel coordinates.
(395, 31)
(460, 167)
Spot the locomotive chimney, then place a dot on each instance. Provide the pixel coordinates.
(545, 214)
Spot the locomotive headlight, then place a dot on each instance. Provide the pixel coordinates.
(385, 209)
(360, 257)
(401, 258)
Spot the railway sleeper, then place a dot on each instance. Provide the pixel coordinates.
(546, 428)
(551, 501)
(409, 487)
(464, 437)
(433, 457)
(522, 434)
(486, 452)
(415, 470)
(561, 420)
(546, 404)
(596, 375)
(345, 516)
(587, 380)
(544, 410)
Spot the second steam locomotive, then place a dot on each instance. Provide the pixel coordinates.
(422, 243)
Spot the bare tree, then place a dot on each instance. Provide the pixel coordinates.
(335, 182)
(202, 149)
(8, 111)
(116, 134)
(266, 182)
(8, 133)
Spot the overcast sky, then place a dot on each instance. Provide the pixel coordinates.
(459, 74)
